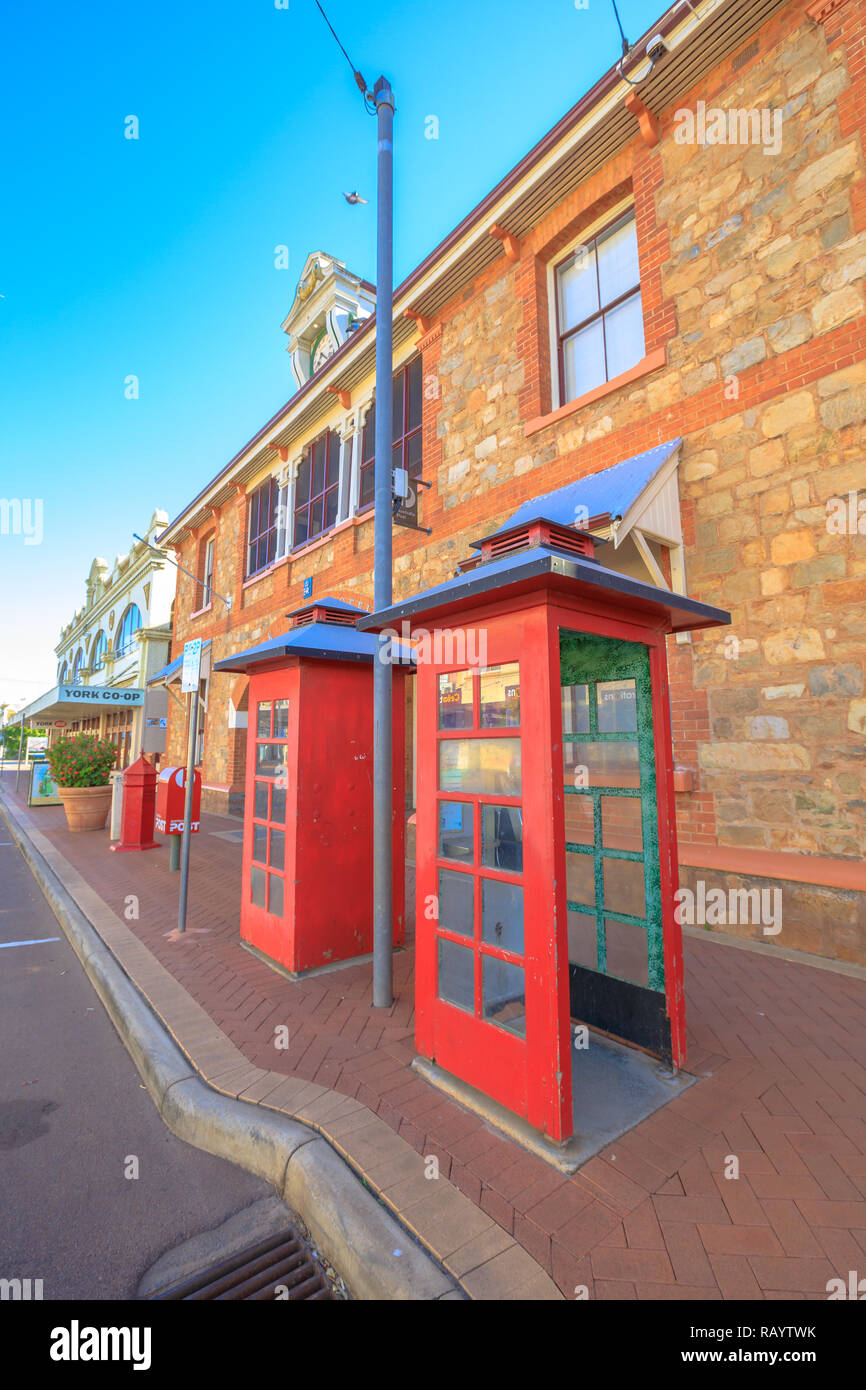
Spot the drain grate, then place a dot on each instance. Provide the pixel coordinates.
(282, 1262)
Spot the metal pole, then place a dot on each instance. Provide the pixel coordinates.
(383, 981)
(187, 810)
(20, 746)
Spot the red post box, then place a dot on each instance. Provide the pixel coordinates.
(171, 798)
(139, 804)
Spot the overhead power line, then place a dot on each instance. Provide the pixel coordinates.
(358, 76)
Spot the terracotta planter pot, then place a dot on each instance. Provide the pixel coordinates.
(86, 807)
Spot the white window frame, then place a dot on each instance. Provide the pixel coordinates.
(609, 216)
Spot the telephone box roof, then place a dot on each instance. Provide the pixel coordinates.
(526, 569)
(325, 641)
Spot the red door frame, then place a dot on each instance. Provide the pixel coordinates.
(562, 614)
(271, 934)
(530, 1075)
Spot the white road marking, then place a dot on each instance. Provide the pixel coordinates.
(37, 941)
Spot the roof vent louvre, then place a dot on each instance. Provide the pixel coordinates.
(535, 533)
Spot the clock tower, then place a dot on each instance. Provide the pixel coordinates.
(329, 302)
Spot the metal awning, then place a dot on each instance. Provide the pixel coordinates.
(77, 701)
(622, 494)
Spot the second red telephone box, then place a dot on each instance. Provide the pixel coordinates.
(307, 892)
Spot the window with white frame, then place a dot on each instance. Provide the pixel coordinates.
(599, 318)
(207, 573)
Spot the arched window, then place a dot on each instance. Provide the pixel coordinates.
(130, 624)
(77, 665)
(97, 652)
(64, 673)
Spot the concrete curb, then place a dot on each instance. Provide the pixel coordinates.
(373, 1252)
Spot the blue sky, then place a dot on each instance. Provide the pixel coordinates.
(155, 257)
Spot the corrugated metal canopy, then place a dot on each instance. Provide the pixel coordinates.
(610, 492)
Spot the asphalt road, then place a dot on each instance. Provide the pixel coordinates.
(73, 1116)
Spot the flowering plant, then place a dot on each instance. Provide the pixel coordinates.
(82, 760)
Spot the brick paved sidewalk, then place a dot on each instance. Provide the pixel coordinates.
(780, 1048)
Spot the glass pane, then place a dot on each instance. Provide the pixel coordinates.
(578, 288)
(413, 454)
(261, 802)
(260, 843)
(457, 974)
(258, 886)
(332, 498)
(502, 838)
(281, 719)
(575, 709)
(333, 473)
(319, 451)
(500, 697)
(269, 759)
(503, 994)
(397, 399)
(480, 766)
(302, 485)
(621, 823)
(278, 805)
(582, 948)
(502, 915)
(455, 700)
(583, 361)
(623, 328)
(263, 726)
(300, 528)
(457, 902)
(455, 831)
(603, 764)
(618, 268)
(580, 878)
(414, 391)
(627, 952)
(624, 887)
(278, 849)
(617, 707)
(275, 895)
(579, 820)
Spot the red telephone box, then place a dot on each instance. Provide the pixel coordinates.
(171, 800)
(307, 894)
(546, 841)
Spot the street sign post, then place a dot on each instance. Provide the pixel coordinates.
(190, 677)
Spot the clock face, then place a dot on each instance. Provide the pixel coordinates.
(321, 352)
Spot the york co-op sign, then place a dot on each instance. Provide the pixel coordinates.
(101, 695)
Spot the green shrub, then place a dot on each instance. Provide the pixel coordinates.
(82, 760)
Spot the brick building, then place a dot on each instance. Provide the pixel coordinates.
(671, 282)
